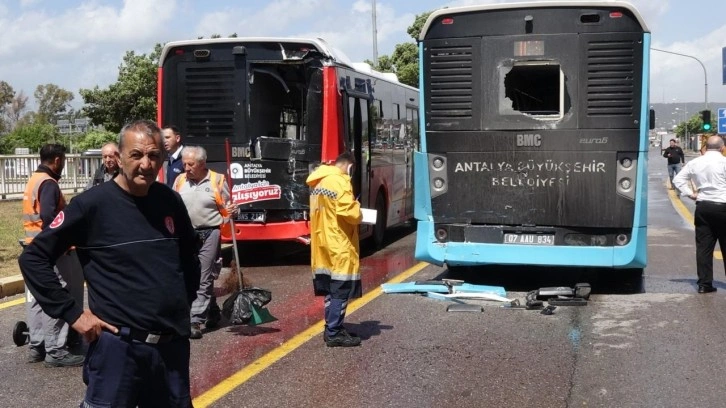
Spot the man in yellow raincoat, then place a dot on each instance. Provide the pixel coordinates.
(334, 218)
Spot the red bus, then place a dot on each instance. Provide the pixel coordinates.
(286, 105)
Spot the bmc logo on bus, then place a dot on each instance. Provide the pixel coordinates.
(529, 139)
(240, 152)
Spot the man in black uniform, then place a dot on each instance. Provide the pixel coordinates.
(140, 262)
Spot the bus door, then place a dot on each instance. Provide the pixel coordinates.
(358, 142)
(410, 144)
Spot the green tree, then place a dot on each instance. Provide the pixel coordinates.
(6, 93)
(233, 35)
(404, 60)
(94, 139)
(414, 30)
(14, 111)
(6, 97)
(693, 127)
(52, 100)
(385, 64)
(30, 135)
(132, 96)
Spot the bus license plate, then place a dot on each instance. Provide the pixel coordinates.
(529, 239)
(256, 216)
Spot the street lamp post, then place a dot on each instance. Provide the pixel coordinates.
(687, 140)
(705, 75)
(685, 125)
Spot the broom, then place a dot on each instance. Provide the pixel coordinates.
(259, 315)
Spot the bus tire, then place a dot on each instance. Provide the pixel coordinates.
(633, 280)
(379, 230)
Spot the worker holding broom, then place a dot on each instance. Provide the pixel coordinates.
(206, 196)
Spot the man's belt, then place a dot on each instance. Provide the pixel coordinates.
(709, 202)
(150, 337)
(204, 233)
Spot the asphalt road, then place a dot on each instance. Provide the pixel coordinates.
(640, 342)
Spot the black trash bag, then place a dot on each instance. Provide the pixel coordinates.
(237, 307)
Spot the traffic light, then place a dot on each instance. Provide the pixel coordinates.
(706, 118)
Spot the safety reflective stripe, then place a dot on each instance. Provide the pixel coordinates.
(31, 220)
(216, 181)
(180, 180)
(32, 223)
(338, 276)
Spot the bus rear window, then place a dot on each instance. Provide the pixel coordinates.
(533, 88)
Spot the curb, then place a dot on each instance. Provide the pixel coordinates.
(12, 285)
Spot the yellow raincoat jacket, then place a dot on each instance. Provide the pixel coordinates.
(334, 246)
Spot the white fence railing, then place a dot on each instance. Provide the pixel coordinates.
(16, 170)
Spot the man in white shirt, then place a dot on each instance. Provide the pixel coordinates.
(708, 175)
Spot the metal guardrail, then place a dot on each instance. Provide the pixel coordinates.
(15, 171)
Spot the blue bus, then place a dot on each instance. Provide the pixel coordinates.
(534, 135)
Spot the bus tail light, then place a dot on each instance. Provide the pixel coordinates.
(438, 175)
(626, 167)
(621, 239)
(441, 234)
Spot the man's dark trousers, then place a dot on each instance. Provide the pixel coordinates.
(334, 311)
(710, 222)
(121, 372)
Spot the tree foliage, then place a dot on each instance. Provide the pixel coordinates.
(51, 100)
(233, 35)
(385, 64)
(6, 96)
(404, 60)
(94, 139)
(30, 135)
(414, 30)
(693, 127)
(14, 111)
(132, 96)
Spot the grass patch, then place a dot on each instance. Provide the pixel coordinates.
(11, 229)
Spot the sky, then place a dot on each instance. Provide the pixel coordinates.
(80, 43)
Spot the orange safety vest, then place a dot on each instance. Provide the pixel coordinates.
(217, 182)
(31, 205)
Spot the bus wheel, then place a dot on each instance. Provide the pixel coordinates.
(379, 230)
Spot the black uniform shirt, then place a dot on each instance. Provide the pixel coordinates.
(49, 195)
(676, 155)
(139, 258)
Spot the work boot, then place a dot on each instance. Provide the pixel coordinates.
(196, 331)
(342, 330)
(343, 339)
(213, 317)
(36, 355)
(68, 360)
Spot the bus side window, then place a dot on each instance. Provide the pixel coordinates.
(376, 123)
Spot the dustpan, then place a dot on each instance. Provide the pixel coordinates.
(260, 315)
